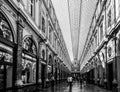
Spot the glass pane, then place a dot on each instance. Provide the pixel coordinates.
(9, 76)
(28, 73)
(1, 76)
(6, 57)
(49, 72)
(6, 53)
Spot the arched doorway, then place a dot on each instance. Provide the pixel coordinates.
(6, 53)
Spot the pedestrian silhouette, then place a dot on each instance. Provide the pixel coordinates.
(81, 82)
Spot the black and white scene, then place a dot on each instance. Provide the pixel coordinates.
(59, 45)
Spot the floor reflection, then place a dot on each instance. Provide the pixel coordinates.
(76, 87)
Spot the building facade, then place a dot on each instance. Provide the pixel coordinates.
(32, 49)
(99, 62)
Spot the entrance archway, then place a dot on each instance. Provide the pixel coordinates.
(28, 73)
(6, 53)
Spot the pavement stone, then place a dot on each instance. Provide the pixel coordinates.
(76, 87)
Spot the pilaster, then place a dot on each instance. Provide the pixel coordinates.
(20, 27)
(115, 69)
(47, 60)
(39, 60)
(106, 75)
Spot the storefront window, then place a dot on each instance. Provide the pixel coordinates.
(28, 73)
(49, 72)
(6, 54)
(6, 60)
(50, 67)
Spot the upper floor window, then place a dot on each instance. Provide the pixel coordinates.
(43, 24)
(31, 7)
(109, 18)
(101, 31)
(50, 33)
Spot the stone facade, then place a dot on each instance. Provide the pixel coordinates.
(32, 48)
(100, 58)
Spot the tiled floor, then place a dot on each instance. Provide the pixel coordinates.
(76, 87)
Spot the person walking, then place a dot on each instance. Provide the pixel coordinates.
(70, 79)
(81, 80)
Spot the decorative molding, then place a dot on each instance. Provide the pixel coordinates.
(9, 11)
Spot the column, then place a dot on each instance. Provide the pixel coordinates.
(106, 74)
(39, 57)
(38, 76)
(20, 27)
(37, 71)
(115, 68)
(54, 67)
(118, 63)
(53, 77)
(47, 60)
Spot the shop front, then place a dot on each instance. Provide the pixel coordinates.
(7, 51)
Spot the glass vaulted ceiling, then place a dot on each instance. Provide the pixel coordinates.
(74, 14)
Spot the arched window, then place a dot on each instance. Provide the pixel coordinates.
(29, 45)
(5, 28)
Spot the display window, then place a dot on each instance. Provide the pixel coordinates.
(28, 73)
(6, 53)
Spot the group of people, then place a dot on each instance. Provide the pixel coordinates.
(81, 80)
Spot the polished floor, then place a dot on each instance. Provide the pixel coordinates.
(76, 87)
